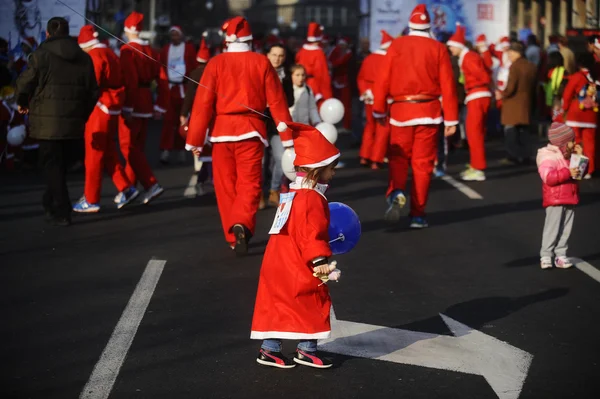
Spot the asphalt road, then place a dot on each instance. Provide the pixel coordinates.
(64, 290)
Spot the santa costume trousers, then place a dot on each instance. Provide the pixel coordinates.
(586, 136)
(477, 111)
(101, 154)
(169, 135)
(412, 146)
(132, 140)
(237, 174)
(344, 94)
(375, 138)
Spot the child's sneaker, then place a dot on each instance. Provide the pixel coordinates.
(83, 206)
(396, 202)
(546, 262)
(562, 262)
(312, 359)
(274, 359)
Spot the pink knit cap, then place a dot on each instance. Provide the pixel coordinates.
(560, 134)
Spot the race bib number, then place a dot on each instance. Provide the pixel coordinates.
(283, 212)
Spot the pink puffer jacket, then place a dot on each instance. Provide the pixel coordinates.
(557, 185)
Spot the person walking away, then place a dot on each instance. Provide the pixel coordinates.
(203, 164)
(560, 193)
(517, 100)
(139, 72)
(312, 57)
(555, 86)
(374, 145)
(477, 85)
(340, 59)
(102, 127)
(292, 301)
(238, 133)
(180, 57)
(581, 104)
(415, 72)
(58, 91)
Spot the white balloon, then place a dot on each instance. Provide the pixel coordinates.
(332, 111)
(16, 135)
(328, 130)
(287, 163)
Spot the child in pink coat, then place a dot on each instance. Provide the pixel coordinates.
(560, 194)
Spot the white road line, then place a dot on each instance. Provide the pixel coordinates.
(466, 190)
(586, 268)
(107, 369)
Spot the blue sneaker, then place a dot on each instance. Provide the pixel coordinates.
(153, 192)
(82, 206)
(418, 222)
(396, 202)
(127, 196)
(439, 172)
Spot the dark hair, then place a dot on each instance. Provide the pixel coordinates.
(592, 39)
(585, 60)
(58, 26)
(532, 39)
(517, 46)
(276, 45)
(555, 59)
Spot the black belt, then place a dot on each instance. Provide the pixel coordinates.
(176, 83)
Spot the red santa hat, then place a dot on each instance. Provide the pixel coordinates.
(343, 40)
(503, 44)
(29, 42)
(386, 40)
(315, 32)
(134, 22)
(419, 18)
(176, 28)
(312, 149)
(481, 40)
(238, 30)
(87, 36)
(272, 39)
(203, 54)
(458, 38)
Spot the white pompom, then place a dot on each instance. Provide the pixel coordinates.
(423, 17)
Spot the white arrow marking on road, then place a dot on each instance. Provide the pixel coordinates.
(586, 268)
(469, 351)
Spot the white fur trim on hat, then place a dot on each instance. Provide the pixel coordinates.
(385, 46)
(419, 26)
(201, 60)
(234, 38)
(455, 44)
(282, 127)
(90, 43)
(314, 38)
(324, 162)
(176, 29)
(132, 29)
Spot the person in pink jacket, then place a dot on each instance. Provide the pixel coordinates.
(560, 194)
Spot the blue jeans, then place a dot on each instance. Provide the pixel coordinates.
(276, 153)
(274, 345)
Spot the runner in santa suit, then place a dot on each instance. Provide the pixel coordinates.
(312, 57)
(291, 302)
(101, 127)
(139, 72)
(180, 57)
(415, 72)
(477, 86)
(375, 136)
(340, 63)
(245, 82)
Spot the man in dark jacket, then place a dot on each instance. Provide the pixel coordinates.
(59, 91)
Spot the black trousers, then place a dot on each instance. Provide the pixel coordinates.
(518, 142)
(55, 158)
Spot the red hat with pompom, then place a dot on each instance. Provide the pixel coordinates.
(87, 36)
(312, 149)
(419, 18)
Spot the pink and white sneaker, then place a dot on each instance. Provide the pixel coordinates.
(562, 262)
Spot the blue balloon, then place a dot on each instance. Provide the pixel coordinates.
(344, 228)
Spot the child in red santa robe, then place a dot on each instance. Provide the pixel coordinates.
(292, 300)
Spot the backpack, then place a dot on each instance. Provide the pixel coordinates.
(588, 95)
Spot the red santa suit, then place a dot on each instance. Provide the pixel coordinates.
(291, 303)
(490, 62)
(582, 121)
(314, 61)
(501, 74)
(416, 72)
(375, 136)
(245, 82)
(181, 60)
(138, 74)
(340, 64)
(478, 97)
(102, 125)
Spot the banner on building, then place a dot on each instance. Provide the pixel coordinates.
(490, 17)
(20, 19)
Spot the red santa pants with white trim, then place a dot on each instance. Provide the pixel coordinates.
(375, 138)
(101, 154)
(475, 125)
(237, 175)
(169, 135)
(344, 94)
(586, 136)
(416, 147)
(132, 139)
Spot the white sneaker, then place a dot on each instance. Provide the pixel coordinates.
(587, 177)
(472, 175)
(153, 192)
(119, 198)
(164, 156)
(546, 262)
(562, 262)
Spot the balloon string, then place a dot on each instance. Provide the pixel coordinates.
(155, 60)
(340, 238)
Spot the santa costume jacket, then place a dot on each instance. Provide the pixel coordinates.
(313, 58)
(138, 74)
(181, 60)
(477, 78)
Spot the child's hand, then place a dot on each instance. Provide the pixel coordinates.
(578, 149)
(575, 173)
(325, 269)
